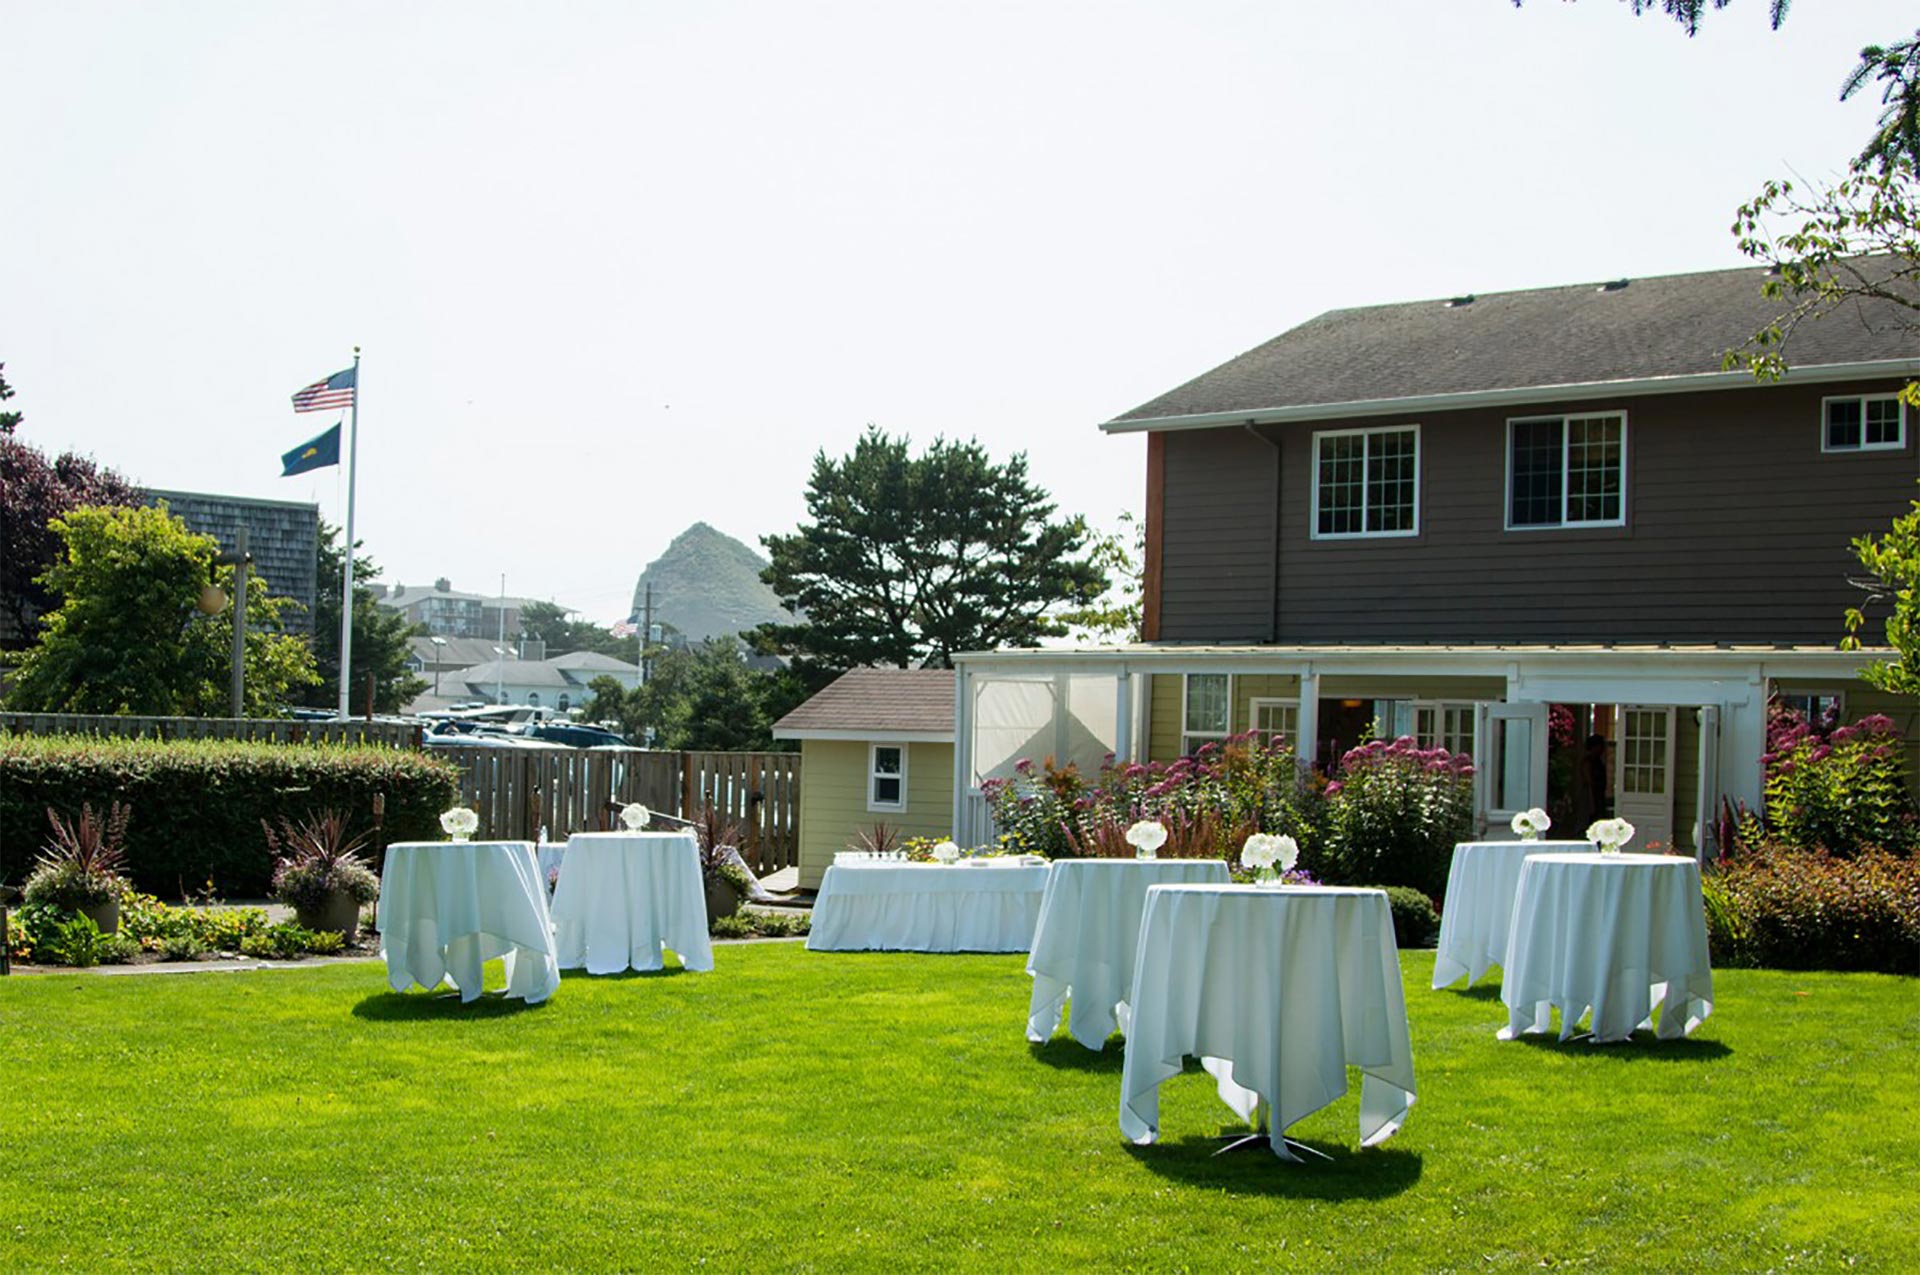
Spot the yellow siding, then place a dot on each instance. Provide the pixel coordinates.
(1686, 776)
(1163, 717)
(1490, 689)
(833, 799)
(1165, 699)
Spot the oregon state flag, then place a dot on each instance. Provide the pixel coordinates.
(318, 454)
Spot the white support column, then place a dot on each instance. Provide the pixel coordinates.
(963, 831)
(1123, 716)
(1307, 724)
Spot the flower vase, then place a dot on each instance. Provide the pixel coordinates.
(463, 836)
(1144, 854)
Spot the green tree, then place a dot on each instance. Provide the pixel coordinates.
(705, 697)
(1892, 562)
(128, 636)
(33, 492)
(379, 635)
(9, 420)
(1115, 616)
(910, 559)
(551, 623)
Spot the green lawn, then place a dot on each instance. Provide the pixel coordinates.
(805, 1111)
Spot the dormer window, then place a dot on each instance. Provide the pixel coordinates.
(1863, 423)
(1567, 471)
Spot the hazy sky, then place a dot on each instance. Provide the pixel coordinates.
(617, 267)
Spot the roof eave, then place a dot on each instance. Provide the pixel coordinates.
(1689, 383)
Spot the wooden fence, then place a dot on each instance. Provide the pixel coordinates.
(519, 791)
(276, 730)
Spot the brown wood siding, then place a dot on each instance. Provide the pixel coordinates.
(1738, 528)
(1217, 537)
(1156, 528)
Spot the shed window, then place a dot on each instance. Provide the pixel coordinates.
(1863, 423)
(887, 777)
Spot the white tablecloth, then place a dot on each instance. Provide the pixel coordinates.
(624, 895)
(927, 907)
(1088, 930)
(446, 908)
(1478, 909)
(1613, 933)
(1277, 992)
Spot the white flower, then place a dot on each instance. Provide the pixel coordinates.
(1289, 853)
(1147, 836)
(635, 816)
(945, 852)
(1610, 834)
(1261, 850)
(1529, 824)
(459, 822)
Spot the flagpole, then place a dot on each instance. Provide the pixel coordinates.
(346, 587)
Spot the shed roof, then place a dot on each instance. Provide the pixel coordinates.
(876, 701)
(1623, 330)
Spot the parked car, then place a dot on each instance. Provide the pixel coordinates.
(574, 734)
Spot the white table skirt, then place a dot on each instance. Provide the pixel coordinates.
(1610, 933)
(1478, 910)
(927, 907)
(1086, 938)
(446, 908)
(623, 896)
(1278, 992)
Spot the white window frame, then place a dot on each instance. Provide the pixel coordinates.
(1313, 517)
(874, 773)
(1899, 445)
(1191, 740)
(1285, 705)
(1565, 523)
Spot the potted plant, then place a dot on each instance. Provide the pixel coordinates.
(319, 872)
(79, 871)
(719, 839)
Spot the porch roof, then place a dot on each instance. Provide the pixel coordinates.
(1774, 660)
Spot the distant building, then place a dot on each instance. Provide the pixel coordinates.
(448, 612)
(560, 682)
(282, 535)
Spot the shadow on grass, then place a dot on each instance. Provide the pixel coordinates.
(1368, 1173)
(404, 1007)
(1483, 992)
(1068, 1054)
(672, 971)
(1643, 1046)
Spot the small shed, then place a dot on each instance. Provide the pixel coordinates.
(875, 747)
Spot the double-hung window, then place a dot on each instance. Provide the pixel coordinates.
(1862, 423)
(886, 777)
(1567, 471)
(1366, 482)
(1207, 715)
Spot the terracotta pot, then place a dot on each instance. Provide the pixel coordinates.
(340, 912)
(721, 900)
(105, 915)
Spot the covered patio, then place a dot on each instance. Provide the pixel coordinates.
(1688, 722)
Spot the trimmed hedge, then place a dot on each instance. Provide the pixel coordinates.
(197, 805)
(1808, 910)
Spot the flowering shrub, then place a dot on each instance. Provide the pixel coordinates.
(1840, 789)
(1796, 909)
(1394, 812)
(1208, 803)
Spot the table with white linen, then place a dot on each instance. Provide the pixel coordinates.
(983, 905)
(1278, 992)
(623, 896)
(1085, 941)
(446, 908)
(1478, 908)
(1614, 933)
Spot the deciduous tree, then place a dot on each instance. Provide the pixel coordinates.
(33, 492)
(379, 636)
(128, 636)
(910, 559)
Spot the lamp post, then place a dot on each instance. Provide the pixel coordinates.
(213, 601)
(439, 645)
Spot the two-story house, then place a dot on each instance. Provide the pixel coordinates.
(1444, 518)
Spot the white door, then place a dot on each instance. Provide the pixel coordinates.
(1513, 763)
(1643, 774)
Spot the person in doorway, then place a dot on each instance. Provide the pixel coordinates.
(1592, 778)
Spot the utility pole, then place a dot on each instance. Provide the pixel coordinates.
(241, 561)
(646, 637)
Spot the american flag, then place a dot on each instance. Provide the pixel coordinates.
(325, 396)
(626, 628)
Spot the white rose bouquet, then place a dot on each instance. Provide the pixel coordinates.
(635, 816)
(1610, 834)
(946, 852)
(1146, 837)
(460, 823)
(1529, 824)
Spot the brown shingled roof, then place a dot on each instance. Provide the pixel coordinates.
(877, 699)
